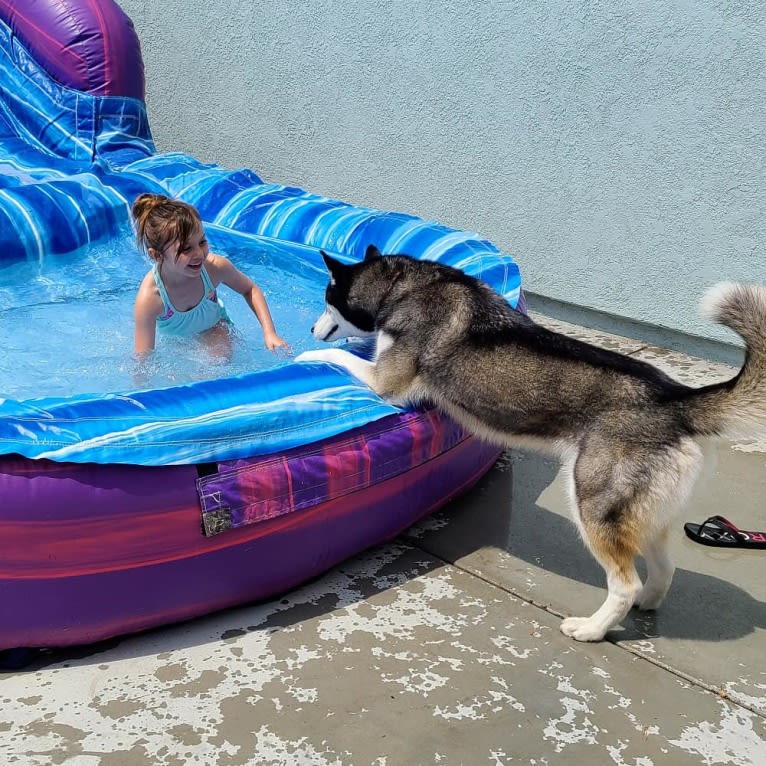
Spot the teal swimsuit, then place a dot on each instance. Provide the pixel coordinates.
(206, 314)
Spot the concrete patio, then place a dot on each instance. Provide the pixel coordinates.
(441, 647)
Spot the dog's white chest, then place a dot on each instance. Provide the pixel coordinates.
(382, 343)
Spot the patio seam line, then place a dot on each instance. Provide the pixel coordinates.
(696, 682)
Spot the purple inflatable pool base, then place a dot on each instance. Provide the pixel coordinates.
(92, 551)
(95, 551)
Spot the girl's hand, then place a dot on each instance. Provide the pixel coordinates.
(274, 342)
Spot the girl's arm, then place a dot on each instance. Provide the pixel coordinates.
(147, 308)
(224, 271)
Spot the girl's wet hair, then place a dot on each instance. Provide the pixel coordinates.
(161, 220)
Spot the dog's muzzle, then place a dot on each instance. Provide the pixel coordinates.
(327, 337)
(325, 327)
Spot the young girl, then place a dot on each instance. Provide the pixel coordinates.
(178, 296)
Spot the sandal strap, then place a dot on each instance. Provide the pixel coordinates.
(721, 526)
(724, 522)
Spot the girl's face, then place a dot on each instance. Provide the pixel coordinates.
(191, 256)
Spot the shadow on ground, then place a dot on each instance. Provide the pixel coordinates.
(514, 530)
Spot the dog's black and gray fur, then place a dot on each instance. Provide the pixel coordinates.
(626, 431)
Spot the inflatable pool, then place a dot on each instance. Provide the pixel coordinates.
(131, 506)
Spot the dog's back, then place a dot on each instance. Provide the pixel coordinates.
(488, 362)
(496, 369)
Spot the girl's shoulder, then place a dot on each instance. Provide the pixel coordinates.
(148, 297)
(217, 267)
(148, 283)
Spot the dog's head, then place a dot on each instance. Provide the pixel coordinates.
(353, 296)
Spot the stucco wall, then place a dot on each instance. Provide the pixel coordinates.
(615, 149)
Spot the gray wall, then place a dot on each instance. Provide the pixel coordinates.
(616, 150)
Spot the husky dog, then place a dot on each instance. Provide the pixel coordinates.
(626, 431)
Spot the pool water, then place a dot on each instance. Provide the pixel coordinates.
(66, 326)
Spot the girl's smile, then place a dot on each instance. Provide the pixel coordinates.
(186, 260)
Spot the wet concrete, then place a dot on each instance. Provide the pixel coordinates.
(441, 647)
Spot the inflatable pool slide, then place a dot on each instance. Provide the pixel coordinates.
(140, 506)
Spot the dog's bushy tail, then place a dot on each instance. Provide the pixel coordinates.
(736, 408)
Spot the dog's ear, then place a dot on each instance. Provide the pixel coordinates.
(372, 252)
(333, 265)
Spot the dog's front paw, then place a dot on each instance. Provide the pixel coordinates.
(330, 356)
(315, 355)
(582, 629)
(340, 357)
(355, 365)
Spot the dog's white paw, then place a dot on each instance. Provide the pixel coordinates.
(315, 355)
(582, 629)
(337, 356)
(351, 363)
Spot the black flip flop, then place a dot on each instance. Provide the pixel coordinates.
(721, 533)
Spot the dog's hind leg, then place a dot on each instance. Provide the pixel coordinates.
(625, 499)
(617, 556)
(678, 475)
(606, 498)
(659, 572)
